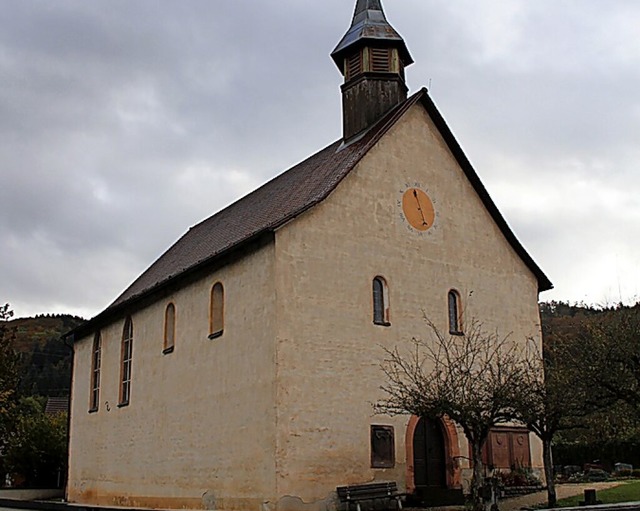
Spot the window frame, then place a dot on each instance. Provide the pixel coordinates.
(96, 364)
(380, 301)
(216, 311)
(382, 461)
(454, 312)
(126, 363)
(169, 338)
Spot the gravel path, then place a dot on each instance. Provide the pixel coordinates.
(562, 490)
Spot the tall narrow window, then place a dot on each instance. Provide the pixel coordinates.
(455, 327)
(126, 357)
(216, 313)
(96, 354)
(380, 302)
(169, 328)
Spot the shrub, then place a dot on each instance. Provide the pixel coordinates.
(596, 474)
(518, 477)
(36, 452)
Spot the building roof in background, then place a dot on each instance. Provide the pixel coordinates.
(57, 405)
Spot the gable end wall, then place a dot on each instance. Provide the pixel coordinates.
(329, 350)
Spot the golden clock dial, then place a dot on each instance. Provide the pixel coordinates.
(418, 209)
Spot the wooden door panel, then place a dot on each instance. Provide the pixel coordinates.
(420, 455)
(521, 453)
(500, 449)
(429, 455)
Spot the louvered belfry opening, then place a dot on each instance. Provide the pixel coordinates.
(380, 60)
(353, 65)
(372, 57)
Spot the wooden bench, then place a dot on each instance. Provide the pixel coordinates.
(357, 493)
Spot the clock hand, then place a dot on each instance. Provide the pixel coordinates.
(415, 195)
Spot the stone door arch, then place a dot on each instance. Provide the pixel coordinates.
(436, 462)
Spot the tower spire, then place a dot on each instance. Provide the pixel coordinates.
(367, 5)
(370, 24)
(372, 57)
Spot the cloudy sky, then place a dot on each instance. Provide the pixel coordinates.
(124, 122)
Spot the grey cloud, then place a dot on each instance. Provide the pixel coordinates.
(124, 122)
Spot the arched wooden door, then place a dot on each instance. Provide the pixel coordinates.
(429, 455)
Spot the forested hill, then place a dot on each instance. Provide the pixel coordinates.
(571, 321)
(41, 329)
(45, 358)
(554, 309)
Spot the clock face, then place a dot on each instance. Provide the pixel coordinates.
(418, 209)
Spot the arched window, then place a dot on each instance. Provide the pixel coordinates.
(169, 328)
(216, 311)
(455, 323)
(126, 356)
(96, 355)
(380, 302)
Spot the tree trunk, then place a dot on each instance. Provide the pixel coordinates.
(477, 480)
(548, 472)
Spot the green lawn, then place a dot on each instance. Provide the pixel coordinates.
(626, 492)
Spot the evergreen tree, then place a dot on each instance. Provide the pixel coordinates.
(8, 377)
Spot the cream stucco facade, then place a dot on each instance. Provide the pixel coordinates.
(175, 441)
(276, 413)
(329, 351)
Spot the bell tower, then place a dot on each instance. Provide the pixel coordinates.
(372, 57)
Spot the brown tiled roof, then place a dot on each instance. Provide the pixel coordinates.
(282, 199)
(267, 208)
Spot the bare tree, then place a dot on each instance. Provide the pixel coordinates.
(554, 399)
(472, 378)
(610, 357)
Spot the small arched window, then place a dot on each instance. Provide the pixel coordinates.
(455, 323)
(380, 302)
(169, 328)
(96, 356)
(216, 312)
(126, 357)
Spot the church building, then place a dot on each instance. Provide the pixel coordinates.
(238, 371)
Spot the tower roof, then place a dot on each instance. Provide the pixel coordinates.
(370, 24)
